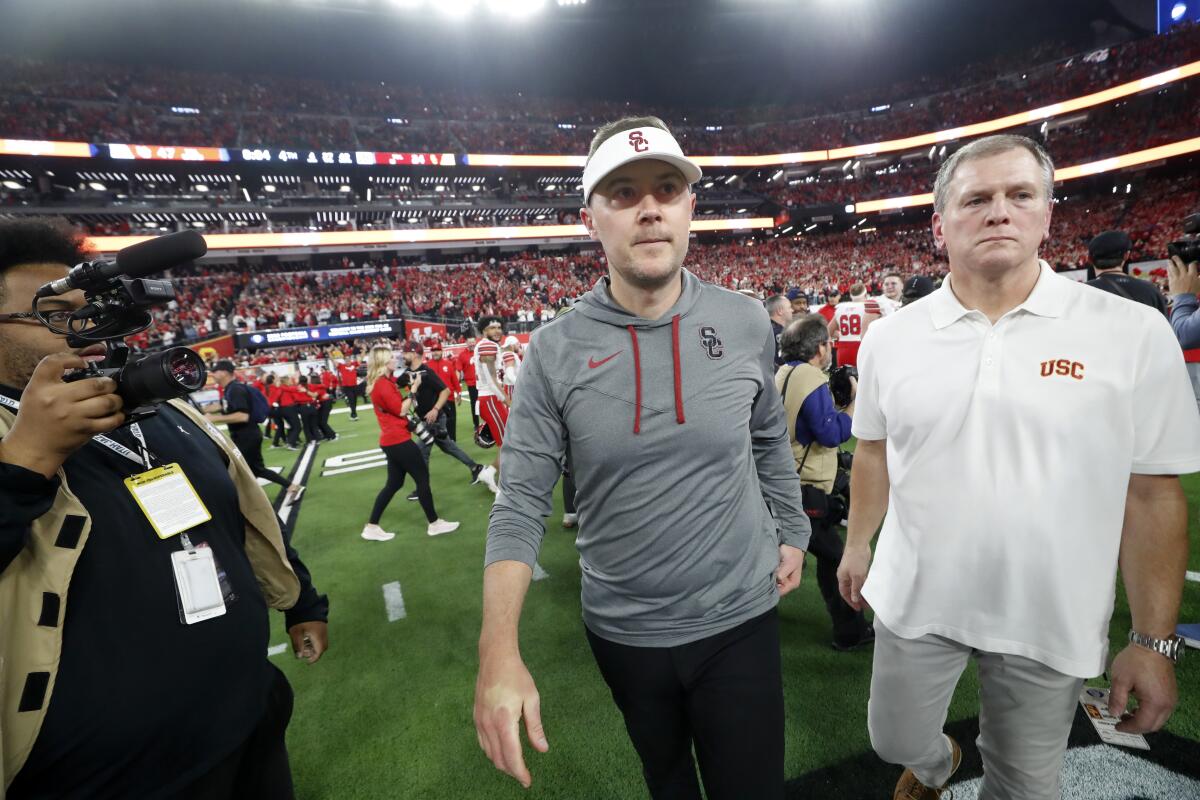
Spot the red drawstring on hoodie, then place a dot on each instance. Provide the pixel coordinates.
(637, 375)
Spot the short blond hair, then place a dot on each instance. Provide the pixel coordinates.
(984, 148)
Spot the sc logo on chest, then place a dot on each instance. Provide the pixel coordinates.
(1063, 367)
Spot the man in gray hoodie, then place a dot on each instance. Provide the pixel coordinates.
(661, 389)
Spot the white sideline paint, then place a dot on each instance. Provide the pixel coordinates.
(277, 649)
(285, 511)
(1194, 577)
(394, 601)
(539, 573)
(1104, 772)
(346, 409)
(353, 462)
(264, 481)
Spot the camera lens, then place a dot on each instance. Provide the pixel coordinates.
(161, 376)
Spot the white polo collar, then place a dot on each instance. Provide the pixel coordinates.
(1048, 299)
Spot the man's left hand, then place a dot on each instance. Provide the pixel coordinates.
(1182, 279)
(431, 416)
(1150, 677)
(309, 640)
(791, 562)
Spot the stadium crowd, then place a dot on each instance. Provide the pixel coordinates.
(110, 103)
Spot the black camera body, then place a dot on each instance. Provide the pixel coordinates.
(1187, 249)
(839, 384)
(116, 300)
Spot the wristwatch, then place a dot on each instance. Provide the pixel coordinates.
(1172, 648)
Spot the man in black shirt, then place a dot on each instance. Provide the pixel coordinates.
(1109, 252)
(432, 398)
(132, 701)
(235, 412)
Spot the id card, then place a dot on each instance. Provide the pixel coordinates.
(197, 587)
(168, 500)
(1095, 702)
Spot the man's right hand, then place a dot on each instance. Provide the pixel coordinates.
(504, 693)
(1182, 279)
(58, 418)
(852, 574)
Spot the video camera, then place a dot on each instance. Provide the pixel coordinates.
(839, 384)
(116, 300)
(1188, 248)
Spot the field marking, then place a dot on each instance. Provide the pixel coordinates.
(539, 574)
(1194, 577)
(276, 650)
(393, 600)
(285, 511)
(264, 481)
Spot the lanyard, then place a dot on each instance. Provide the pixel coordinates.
(104, 441)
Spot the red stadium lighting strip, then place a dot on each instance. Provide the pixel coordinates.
(911, 142)
(26, 147)
(1061, 174)
(241, 241)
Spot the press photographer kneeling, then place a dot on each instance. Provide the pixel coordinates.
(817, 428)
(137, 561)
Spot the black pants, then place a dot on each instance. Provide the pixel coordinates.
(308, 419)
(568, 493)
(473, 393)
(722, 694)
(451, 422)
(248, 441)
(291, 415)
(404, 459)
(259, 769)
(826, 545)
(352, 394)
(323, 412)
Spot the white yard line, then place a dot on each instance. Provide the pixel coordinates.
(285, 511)
(277, 649)
(1194, 577)
(394, 601)
(539, 574)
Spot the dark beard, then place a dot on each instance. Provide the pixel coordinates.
(17, 363)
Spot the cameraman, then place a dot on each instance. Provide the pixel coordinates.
(1183, 285)
(105, 690)
(817, 429)
(433, 396)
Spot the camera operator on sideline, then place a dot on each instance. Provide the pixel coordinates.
(105, 690)
(816, 429)
(432, 397)
(1183, 284)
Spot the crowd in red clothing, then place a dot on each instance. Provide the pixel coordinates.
(530, 287)
(110, 103)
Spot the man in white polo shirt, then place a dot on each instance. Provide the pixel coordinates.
(1023, 434)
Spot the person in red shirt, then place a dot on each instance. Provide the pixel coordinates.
(347, 372)
(274, 391)
(308, 403)
(324, 407)
(392, 407)
(466, 366)
(447, 370)
(290, 399)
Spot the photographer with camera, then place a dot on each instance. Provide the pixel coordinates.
(243, 431)
(432, 399)
(817, 429)
(1183, 284)
(397, 424)
(130, 668)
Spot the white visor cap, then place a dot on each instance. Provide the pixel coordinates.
(635, 145)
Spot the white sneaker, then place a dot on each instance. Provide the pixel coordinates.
(375, 533)
(570, 520)
(487, 476)
(440, 526)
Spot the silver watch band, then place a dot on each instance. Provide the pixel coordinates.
(1170, 648)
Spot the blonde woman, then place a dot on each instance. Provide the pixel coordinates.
(392, 406)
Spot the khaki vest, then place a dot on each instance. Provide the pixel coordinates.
(820, 466)
(34, 593)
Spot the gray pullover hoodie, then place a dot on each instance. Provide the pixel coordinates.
(678, 444)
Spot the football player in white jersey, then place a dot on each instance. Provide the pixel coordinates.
(510, 364)
(893, 292)
(849, 323)
(493, 400)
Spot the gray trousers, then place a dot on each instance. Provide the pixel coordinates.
(1025, 714)
(447, 446)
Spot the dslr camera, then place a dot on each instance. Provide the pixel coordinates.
(1188, 248)
(839, 384)
(116, 302)
(415, 424)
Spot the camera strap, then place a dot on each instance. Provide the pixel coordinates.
(141, 460)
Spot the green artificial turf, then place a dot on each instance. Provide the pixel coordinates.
(386, 713)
